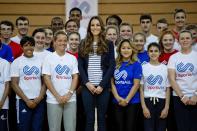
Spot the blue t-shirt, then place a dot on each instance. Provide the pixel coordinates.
(6, 53)
(124, 79)
(50, 49)
(143, 57)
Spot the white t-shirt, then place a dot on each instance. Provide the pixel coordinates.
(29, 72)
(16, 39)
(4, 77)
(42, 55)
(194, 47)
(155, 80)
(185, 66)
(177, 46)
(61, 69)
(151, 38)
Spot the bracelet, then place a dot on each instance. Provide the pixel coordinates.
(183, 97)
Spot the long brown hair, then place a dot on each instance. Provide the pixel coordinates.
(133, 57)
(86, 45)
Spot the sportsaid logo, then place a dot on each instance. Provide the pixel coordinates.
(62, 71)
(121, 74)
(29, 71)
(185, 67)
(152, 80)
(118, 74)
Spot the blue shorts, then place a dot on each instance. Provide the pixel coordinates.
(30, 119)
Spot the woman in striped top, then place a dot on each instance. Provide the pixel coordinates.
(96, 66)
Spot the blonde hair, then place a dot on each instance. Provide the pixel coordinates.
(116, 29)
(59, 32)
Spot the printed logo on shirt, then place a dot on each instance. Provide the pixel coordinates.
(185, 70)
(152, 80)
(29, 71)
(155, 82)
(62, 71)
(185, 67)
(121, 74)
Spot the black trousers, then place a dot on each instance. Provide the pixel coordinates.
(126, 117)
(186, 116)
(155, 123)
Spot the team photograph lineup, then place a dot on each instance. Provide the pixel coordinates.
(103, 77)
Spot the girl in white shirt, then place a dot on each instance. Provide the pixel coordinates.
(30, 90)
(154, 91)
(60, 71)
(39, 36)
(182, 68)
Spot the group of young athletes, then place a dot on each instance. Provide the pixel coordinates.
(135, 81)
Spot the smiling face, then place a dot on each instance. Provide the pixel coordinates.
(40, 39)
(73, 41)
(5, 31)
(185, 40)
(95, 27)
(126, 32)
(22, 27)
(180, 19)
(126, 51)
(139, 42)
(49, 35)
(71, 27)
(168, 42)
(60, 43)
(111, 35)
(28, 49)
(154, 53)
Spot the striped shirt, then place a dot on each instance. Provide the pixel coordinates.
(94, 67)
